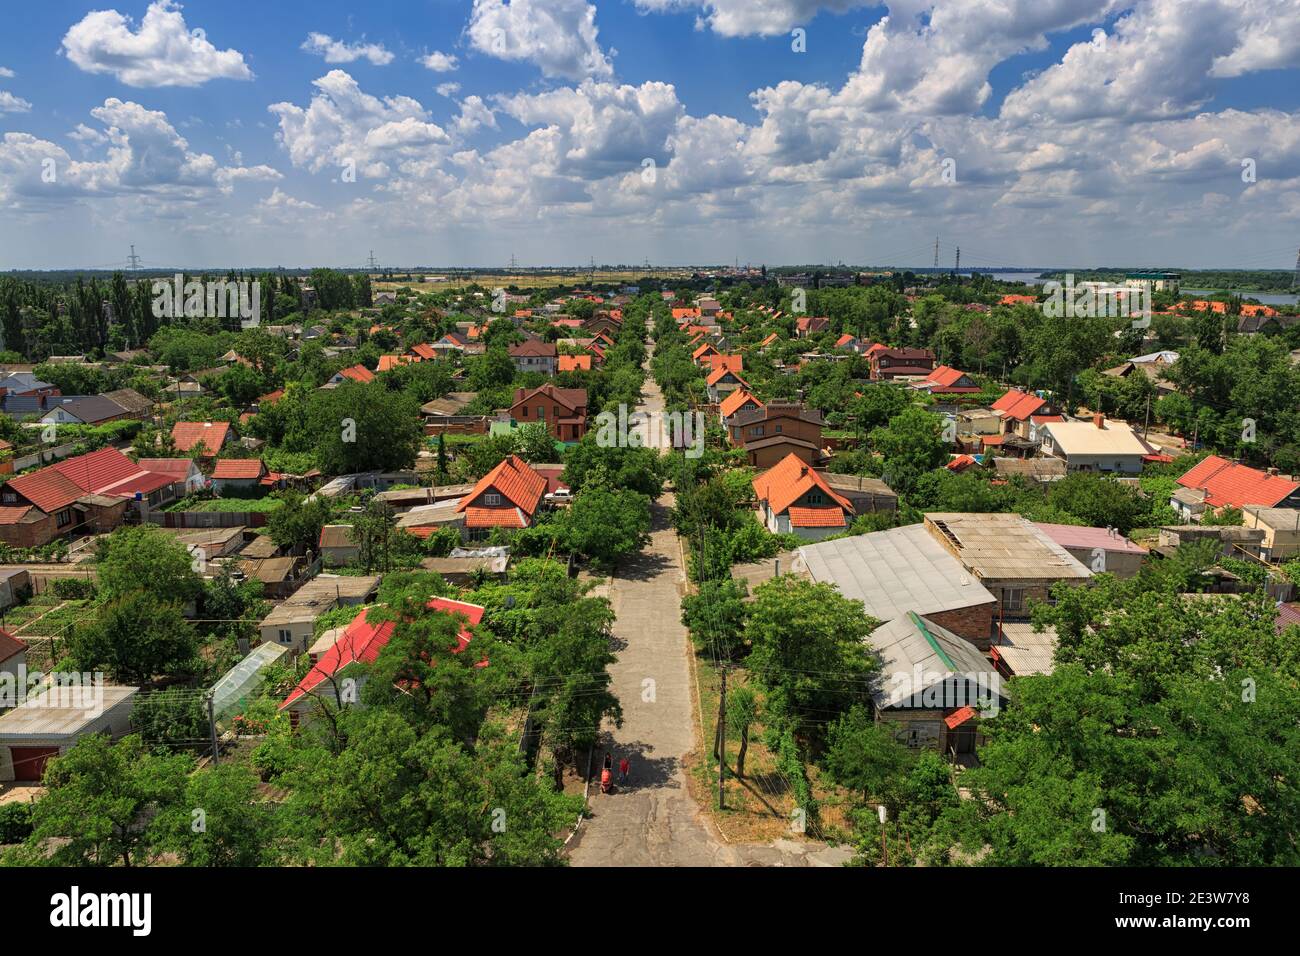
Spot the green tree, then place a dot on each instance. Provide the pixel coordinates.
(145, 558)
(606, 525)
(222, 820)
(135, 638)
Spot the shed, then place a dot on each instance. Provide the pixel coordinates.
(47, 725)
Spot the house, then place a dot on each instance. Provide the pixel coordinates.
(200, 439)
(389, 362)
(463, 571)
(735, 363)
(88, 493)
(13, 659)
(25, 383)
(770, 433)
(358, 645)
(945, 380)
(807, 326)
(738, 401)
(1095, 445)
(1102, 550)
(1009, 555)
(44, 727)
(866, 495)
(15, 587)
(534, 355)
(1015, 409)
(278, 575)
(237, 473)
(887, 364)
(1216, 482)
(83, 410)
(1021, 651)
(931, 684)
(722, 381)
(184, 473)
(292, 622)
(1018, 300)
(702, 351)
(354, 373)
(562, 410)
(338, 545)
(506, 497)
(1233, 541)
(1281, 527)
(574, 363)
(135, 404)
(794, 499)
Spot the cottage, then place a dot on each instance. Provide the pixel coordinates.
(506, 497)
(238, 474)
(738, 401)
(722, 381)
(1216, 482)
(1098, 549)
(795, 499)
(562, 410)
(768, 434)
(200, 439)
(888, 364)
(291, 623)
(1095, 445)
(1281, 527)
(945, 380)
(41, 728)
(354, 373)
(534, 355)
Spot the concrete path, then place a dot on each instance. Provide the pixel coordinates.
(653, 821)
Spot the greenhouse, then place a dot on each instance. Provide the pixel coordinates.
(242, 681)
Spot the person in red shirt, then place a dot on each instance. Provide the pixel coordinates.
(623, 767)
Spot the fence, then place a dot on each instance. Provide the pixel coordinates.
(208, 519)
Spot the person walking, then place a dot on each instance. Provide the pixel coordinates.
(624, 766)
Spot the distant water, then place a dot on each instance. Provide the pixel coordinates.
(1267, 298)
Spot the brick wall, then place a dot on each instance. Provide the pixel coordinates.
(974, 623)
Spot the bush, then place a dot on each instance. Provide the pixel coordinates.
(74, 589)
(15, 822)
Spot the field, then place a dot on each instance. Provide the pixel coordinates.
(529, 280)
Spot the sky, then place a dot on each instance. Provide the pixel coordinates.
(230, 133)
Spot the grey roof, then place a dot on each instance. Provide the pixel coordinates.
(42, 717)
(1027, 651)
(1003, 546)
(895, 571)
(915, 653)
(90, 408)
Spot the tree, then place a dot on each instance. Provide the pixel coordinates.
(742, 712)
(912, 443)
(147, 559)
(221, 821)
(135, 638)
(358, 427)
(533, 443)
(863, 755)
(297, 523)
(621, 468)
(606, 525)
(715, 616)
(98, 794)
(808, 651)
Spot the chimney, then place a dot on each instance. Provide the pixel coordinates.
(1099, 420)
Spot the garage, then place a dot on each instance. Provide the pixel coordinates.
(29, 762)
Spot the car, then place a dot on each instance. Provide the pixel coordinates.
(560, 496)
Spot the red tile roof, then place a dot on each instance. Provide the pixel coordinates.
(104, 472)
(790, 479)
(515, 482)
(10, 645)
(945, 379)
(495, 518)
(271, 397)
(575, 363)
(358, 373)
(718, 374)
(361, 641)
(822, 517)
(423, 350)
(960, 462)
(238, 468)
(686, 313)
(1228, 483)
(736, 401)
(186, 436)
(389, 362)
(1018, 300)
(533, 348)
(13, 514)
(1018, 405)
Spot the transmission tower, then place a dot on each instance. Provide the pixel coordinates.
(135, 260)
(936, 253)
(1295, 280)
(371, 261)
(957, 263)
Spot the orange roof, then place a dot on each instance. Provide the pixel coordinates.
(238, 468)
(389, 362)
(1228, 483)
(705, 348)
(1264, 310)
(1018, 300)
(188, 435)
(769, 340)
(494, 518)
(423, 350)
(734, 362)
(736, 401)
(514, 481)
(823, 517)
(946, 378)
(358, 373)
(1018, 405)
(271, 397)
(718, 374)
(686, 313)
(790, 479)
(575, 363)
(960, 462)
(14, 514)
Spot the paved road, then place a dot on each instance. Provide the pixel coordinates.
(654, 821)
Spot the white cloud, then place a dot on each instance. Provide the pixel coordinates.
(474, 115)
(6, 72)
(558, 36)
(447, 89)
(735, 18)
(163, 52)
(13, 104)
(336, 51)
(230, 175)
(440, 62)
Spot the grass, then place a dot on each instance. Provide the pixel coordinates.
(227, 504)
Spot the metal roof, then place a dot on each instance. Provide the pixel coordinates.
(1025, 650)
(42, 717)
(1002, 546)
(895, 571)
(915, 653)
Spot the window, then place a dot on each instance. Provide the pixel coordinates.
(815, 498)
(9, 497)
(756, 431)
(285, 637)
(1013, 599)
(64, 518)
(541, 412)
(491, 500)
(523, 412)
(778, 429)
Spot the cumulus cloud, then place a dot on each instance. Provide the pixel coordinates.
(336, 51)
(735, 18)
(557, 36)
(6, 72)
(447, 89)
(13, 104)
(163, 52)
(439, 62)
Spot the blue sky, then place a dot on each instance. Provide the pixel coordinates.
(1079, 132)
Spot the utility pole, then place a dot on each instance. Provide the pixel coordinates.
(722, 738)
(957, 264)
(212, 727)
(1147, 424)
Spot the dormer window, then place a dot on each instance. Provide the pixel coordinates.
(491, 499)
